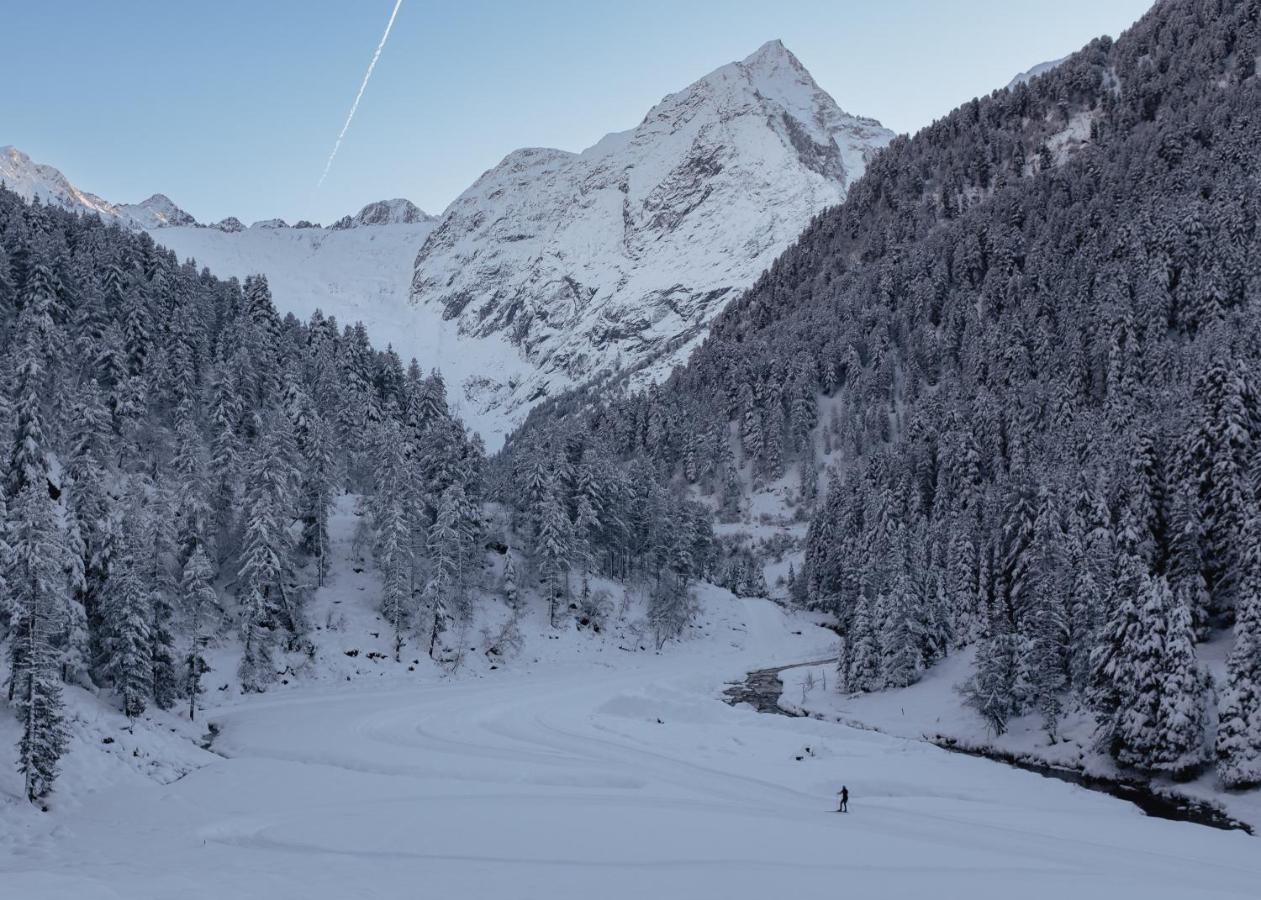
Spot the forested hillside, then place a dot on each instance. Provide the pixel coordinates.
(1028, 346)
(172, 452)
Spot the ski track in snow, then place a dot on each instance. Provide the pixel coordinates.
(559, 782)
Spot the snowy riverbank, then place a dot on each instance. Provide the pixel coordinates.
(934, 711)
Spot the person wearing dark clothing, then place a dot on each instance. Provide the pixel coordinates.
(844, 807)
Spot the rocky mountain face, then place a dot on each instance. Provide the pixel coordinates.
(619, 255)
(32, 180)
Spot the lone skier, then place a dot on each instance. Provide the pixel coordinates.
(844, 795)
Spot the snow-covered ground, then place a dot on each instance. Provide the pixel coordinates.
(584, 770)
(934, 708)
(581, 765)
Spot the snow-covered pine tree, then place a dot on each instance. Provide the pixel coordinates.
(392, 530)
(1113, 671)
(163, 579)
(319, 487)
(1186, 564)
(1182, 716)
(128, 612)
(269, 599)
(226, 413)
(1238, 747)
(443, 594)
(1048, 627)
(89, 505)
(28, 462)
(859, 667)
(552, 551)
(589, 507)
(511, 589)
(200, 604)
(1217, 453)
(535, 491)
(193, 525)
(902, 629)
(37, 594)
(1161, 726)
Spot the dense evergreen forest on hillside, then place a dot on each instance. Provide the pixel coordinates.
(173, 448)
(1032, 336)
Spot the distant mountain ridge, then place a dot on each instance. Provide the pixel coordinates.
(31, 180)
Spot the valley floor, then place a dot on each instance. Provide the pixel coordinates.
(608, 775)
(933, 709)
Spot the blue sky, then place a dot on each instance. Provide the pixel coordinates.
(231, 107)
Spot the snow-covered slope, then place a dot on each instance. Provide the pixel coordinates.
(580, 770)
(362, 274)
(32, 180)
(603, 259)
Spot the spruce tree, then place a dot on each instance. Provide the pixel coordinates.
(511, 590)
(37, 593)
(393, 546)
(902, 634)
(200, 602)
(1238, 747)
(267, 595)
(128, 616)
(552, 551)
(319, 487)
(992, 688)
(1182, 715)
(860, 661)
(443, 594)
(1161, 725)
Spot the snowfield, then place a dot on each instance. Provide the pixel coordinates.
(583, 770)
(363, 274)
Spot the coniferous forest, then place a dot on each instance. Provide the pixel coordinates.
(1028, 348)
(174, 448)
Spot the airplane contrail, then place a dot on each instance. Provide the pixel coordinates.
(354, 106)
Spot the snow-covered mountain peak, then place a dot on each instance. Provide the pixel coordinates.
(156, 212)
(610, 257)
(32, 180)
(774, 73)
(385, 212)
